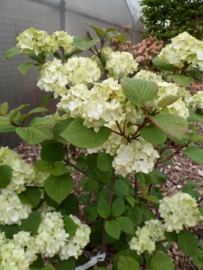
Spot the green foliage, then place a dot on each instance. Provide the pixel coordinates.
(195, 153)
(161, 261)
(5, 175)
(113, 229)
(11, 53)
(187, 242)
(30, 196)
(153, 134)
(25, 67)
(127, 263)
(166, 19)
(31, 224)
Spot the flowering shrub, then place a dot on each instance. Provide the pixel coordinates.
(125, 125)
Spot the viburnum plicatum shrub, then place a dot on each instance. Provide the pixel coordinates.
(115, 125)
(143, 52)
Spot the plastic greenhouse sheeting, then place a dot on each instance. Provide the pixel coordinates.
(52, 15)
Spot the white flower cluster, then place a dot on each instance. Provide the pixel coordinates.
(138, 156)
(35, 41)
(196, 101)
(179, 211)
(51, 79)
(22, 173)
(62, 39)
(184, 48)
(81, 70)
(75, 245)
(51, 235)
(17, 253)
(120, 64)
(12, 211)
(146, 236)
(148, 75)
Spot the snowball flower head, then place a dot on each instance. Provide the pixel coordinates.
(179, 211)
(81, 70)
(35, 41)
(51, 79)
(120, 64)
(136, 156)
(62, 39)
(147, 236)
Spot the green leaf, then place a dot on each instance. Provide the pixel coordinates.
(158, 177)
(25, 67)
(104, 162)
(195, 153)
(40, 130)
(103, 208)
(113, 229)
(7, 128)
(171, 236)
(71, 204)
(13, 113)
(167, 100)
(83, 137)
(127, 263)
(43, 166)
(183, 80)
(11, 53)
(59, 128)
(171, 124)
(121, 37)
(118, 207)
(59, 187)
(153, 134)
(38, 263)
(196, 138)
(139, 91)
(90, 212)
(30, 196)
(31, 224)
(66, 264)
(162, 65)
(126, 225)
(10, 230)
(36, 110)
(45, 99)
(4, 120)
(98, 31)
(187, 242)
(121, 187)
(3, 108)
(59, 168)
(5, 175)
(188, 189)
(70, 226)
(195, 117)
(192, 183)
(90, 185)
(151, 198)
(144, 179)
(161, 262)
(48, 267)
(52, 151)
(197, 258)
(85, 198)
(83, 44)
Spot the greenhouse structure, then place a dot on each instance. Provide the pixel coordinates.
(52, 15)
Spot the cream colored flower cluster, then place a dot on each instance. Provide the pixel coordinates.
(18, 253)
(12, 211)
(184, 48)
(120, 64)
(179, 211)
(138, 156)
(51, 79)
(81, 70)
(62, 39)
(35, 41)
(196, 101)
(146, 236)
(103, 103)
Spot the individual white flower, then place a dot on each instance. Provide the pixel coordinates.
(62, 39)
(81, 70)
(12, 211)
(136, 156)
(120, 64)
(35, 41)
(179, 211)
(51, 78)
